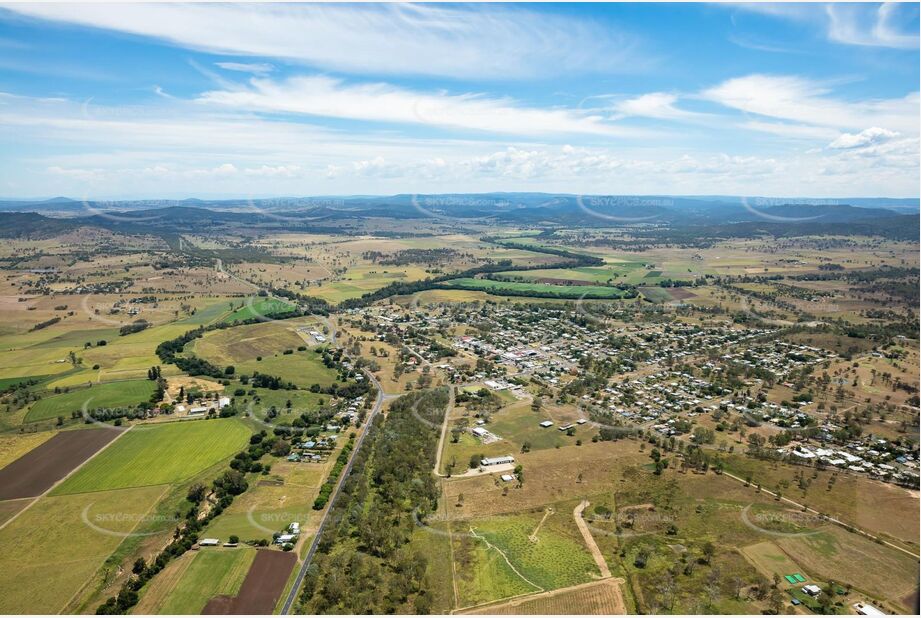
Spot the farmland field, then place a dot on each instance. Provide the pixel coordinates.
(105, 395)
(51, 542)
(158, 454)
(557, 559)
(258, 308)
(14, 446)
(601, 598)
(200, 577)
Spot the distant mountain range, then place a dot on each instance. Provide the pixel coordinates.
(25, 217)
(507, 206)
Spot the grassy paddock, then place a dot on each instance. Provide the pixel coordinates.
(106, 395)
(159, 454)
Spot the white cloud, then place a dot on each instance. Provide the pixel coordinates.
(867, 137)
(888, 24)
(455, 41)
(874, 26)
(659, 105)
(258, 68)
(796, 99)
(329, 97)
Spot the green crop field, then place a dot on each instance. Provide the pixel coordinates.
(105, 395)
(159, 454)
(558, 559)
(656, 295)
(210, 573)
(561, 291)
(50, 551)
(483, 575)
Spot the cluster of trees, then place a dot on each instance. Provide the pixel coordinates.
(365, 562)
(169, 352)
(135, 327)
(45, 324)
(327, 489)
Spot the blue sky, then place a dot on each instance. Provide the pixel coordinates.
(209, 100)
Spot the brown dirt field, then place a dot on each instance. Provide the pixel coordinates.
(262, 587)
(42, 467)
(219, 605)
(595, 598)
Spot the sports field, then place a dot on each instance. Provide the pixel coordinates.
(159, 454)
(106, 395)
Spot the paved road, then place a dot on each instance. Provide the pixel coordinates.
(302, 572)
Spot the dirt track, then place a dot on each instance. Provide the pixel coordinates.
(262, 587)
(36, 471)
(590, 540)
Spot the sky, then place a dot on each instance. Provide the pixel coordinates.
(103, 101)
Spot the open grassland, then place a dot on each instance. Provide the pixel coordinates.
(273, 502)
(559, 291)
(50, 551)
(199, 577)
(872, 505)
(771, 560)
(261, 348)
(265, 399)
(14, 446)
(9, 508)
(845, 557)
(106, 395)
(243, 343)
(551, 475)
(364, 278)
(158, 454)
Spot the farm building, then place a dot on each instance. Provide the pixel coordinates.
(508, 478)
(546, 424)
(865, 609)
(495, 461)
(812, 590)
(209, 542)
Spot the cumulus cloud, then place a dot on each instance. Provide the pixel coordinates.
(867, 137)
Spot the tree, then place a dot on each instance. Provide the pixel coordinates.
(139, 566)
(709, 549)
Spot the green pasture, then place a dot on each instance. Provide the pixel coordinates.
(106, 395)
(156, 454)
